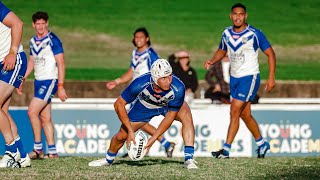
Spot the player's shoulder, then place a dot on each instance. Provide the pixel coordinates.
(177, 84)
(227, 29)
(254, 30)
(151, 51)
(142, 80)
(53, 36)
(32, 39)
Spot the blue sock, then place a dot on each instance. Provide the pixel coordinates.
(110, 157)
(52, 149)
(37, 146)
(165, 143)
(12, 147)
(227, 147)
(260, 141)
(188, 152)
(19, 144)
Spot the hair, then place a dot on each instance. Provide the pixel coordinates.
(40, 15)
(144, 31)
(240, 6)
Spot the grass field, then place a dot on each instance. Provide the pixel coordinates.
(97, 34)
(163, 168)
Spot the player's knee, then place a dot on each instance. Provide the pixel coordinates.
(31, 112)
(246, 117)
(45, 118)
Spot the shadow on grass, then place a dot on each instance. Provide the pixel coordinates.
(147, 162)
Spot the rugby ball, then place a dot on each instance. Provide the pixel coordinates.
(136, 151)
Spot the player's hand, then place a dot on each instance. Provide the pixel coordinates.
(130, 138)
(19, 90)
(110, 85)
(207, 64)
(270, 84)
(9, 62)
(149, 144)
(62, 94)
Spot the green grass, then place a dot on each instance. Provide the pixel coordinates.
(97, 34)
(163, 168)
(284, 72)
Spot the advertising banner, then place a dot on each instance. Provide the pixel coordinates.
(88, 131)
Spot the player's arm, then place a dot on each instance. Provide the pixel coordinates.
(218, 55)
(164, 125)
(61, 76)
(30, 67)
(16, 25)
(126, 77)
(270, 84)
(120, 109)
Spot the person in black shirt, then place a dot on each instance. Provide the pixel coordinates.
(180, 62)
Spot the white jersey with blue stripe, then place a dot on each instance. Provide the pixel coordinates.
(147, 103)
(43, 50)
(5, 34)
(141, 62)
(242, 50)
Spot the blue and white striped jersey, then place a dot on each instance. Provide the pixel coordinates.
(43, 50)
(141, 62)
(5, 34)
(242, 50)
(146, 103)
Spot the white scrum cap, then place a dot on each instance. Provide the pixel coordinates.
(160, 68)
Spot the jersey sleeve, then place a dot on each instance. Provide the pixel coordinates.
(177, 102)
(262, 41)
(134, 89)
(223, 44)
(56, 45)
(30, 45)
(3, 11)
(132, 57)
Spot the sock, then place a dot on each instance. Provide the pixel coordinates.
(52, 149)
(12, 147)
(188, 152)
(110, 157)
(227, 147)
(260, 142)
(19, 144)
(165, 143)
(37, 146)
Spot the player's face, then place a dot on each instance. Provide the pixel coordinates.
(238, 16)
(141, 40)
(165, 82)
(41, 27)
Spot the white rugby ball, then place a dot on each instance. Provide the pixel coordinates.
(136, 151)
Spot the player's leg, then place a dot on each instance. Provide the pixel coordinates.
(169, 146)
(185, 117)
(5, 127)
(10, 80)
(116, 143)
(35, 107)
(48, 128)
(240, 89)
(25, 161)
(251, 123)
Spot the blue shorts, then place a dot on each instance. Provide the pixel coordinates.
(244, 88)
(15, 76)
(45, 89)
(139, 113)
